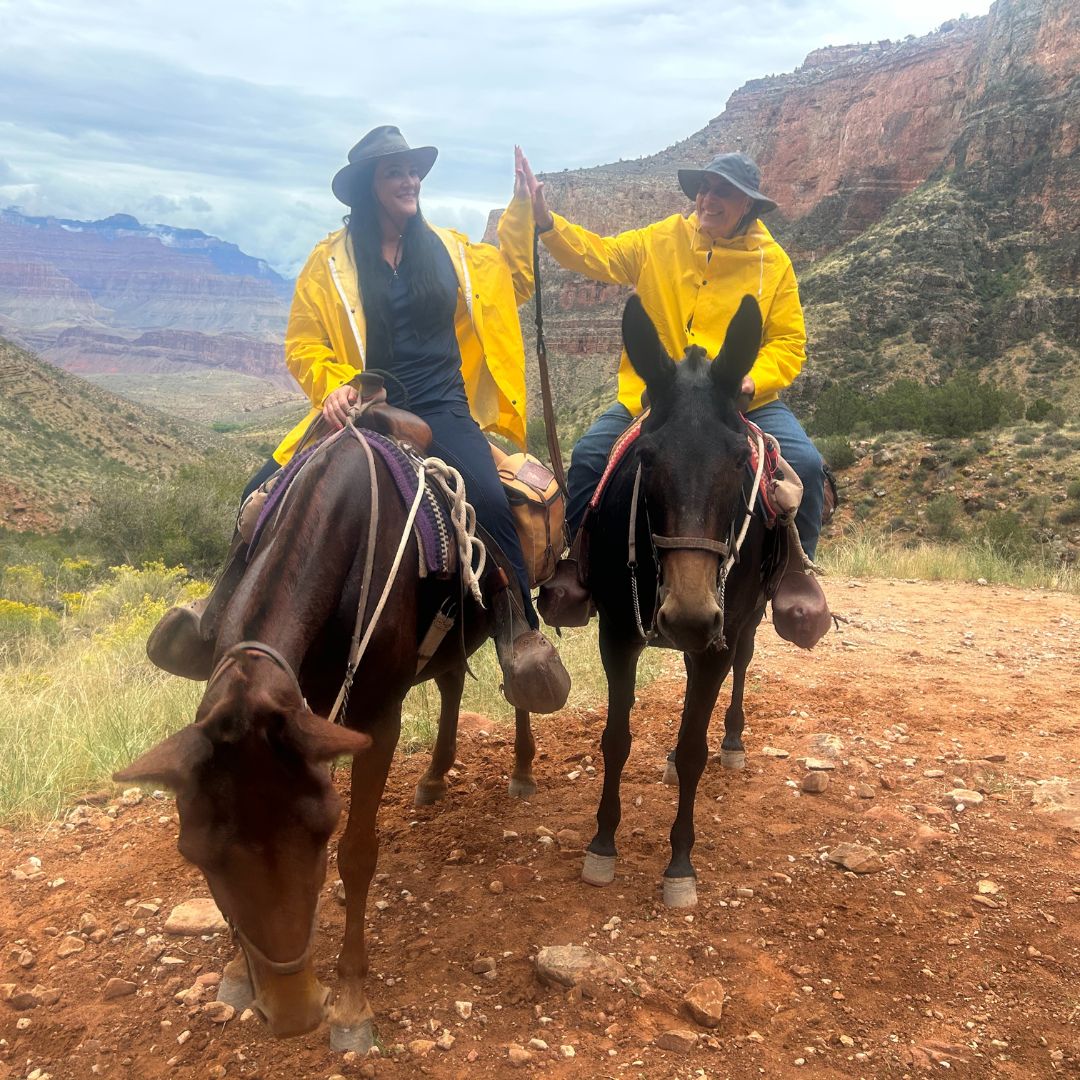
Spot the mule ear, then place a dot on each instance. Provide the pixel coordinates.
(741, 344)
(647, 355)
(171, 762)
(319, 740)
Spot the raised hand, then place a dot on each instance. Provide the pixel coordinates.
(525, 183)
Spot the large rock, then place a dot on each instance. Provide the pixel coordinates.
(856, 858)
(569, 965)
(678, 1040)
(195, 917)
(705, 1001)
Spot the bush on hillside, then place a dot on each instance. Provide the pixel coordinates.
(1039, 410)
(942, 513)
(186, 519)
(957, 408)
(836, 450)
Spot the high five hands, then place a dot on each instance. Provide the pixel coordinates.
(527, 186)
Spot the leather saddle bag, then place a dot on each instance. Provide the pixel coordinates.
(538, 508)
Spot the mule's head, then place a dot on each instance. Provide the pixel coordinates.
(256, 809)
(693, 451)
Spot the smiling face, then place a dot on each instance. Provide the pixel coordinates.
(396, 186)
(720, 206)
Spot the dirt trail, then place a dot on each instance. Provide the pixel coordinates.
(907, 969)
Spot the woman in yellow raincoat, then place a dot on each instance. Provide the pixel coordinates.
(436, 316)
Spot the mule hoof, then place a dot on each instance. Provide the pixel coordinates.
(680, 892)
(733, 759)
(359, 1039)
(237, 992)
(671, 774)
(428, 794)
(522, 789)
(598, 869)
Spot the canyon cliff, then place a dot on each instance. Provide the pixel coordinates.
(929, 195)
(117, 296)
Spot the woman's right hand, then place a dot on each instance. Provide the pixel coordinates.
(336, 406)
(526, 184)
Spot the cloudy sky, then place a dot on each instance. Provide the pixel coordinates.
(232, 117)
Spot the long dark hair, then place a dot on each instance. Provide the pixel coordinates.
(430, 302)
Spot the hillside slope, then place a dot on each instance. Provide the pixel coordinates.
(60, 437)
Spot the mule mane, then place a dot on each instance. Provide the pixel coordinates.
(696, 360)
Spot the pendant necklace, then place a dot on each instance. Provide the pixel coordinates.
(397, 256)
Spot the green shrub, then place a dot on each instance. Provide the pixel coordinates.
(836, 450)
(942, 514)
(1004, 532)
(1038, 410)
(1073, 490)
(186, 519)
(1024, 437)
(22, 623)
(1070, 515)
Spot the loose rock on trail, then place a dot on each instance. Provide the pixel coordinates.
(952, 946)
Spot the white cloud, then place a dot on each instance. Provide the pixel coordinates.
(233, 117)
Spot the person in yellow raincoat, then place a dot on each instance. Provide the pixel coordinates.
(436, 316)
(691, 272)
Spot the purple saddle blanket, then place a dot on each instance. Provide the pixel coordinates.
(432, 527)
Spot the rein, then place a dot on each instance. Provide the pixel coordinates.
(728, 551)
(545, 380)
(463, 517)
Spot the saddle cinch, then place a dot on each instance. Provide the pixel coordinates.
(536, 501)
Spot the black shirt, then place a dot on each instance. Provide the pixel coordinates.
(426, 361)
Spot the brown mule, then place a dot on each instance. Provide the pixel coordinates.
(255, 801)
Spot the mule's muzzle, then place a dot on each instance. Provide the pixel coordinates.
(690, 631)
(291, 1004)
(690, 617)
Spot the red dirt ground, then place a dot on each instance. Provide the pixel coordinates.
(892, 974)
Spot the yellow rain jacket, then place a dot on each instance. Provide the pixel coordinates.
(690, 285)
(325, 338)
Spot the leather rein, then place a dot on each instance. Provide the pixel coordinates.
(728, 551)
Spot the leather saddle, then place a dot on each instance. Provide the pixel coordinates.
(376, 415)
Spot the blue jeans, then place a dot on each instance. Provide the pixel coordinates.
(458, 440)
(591, 453)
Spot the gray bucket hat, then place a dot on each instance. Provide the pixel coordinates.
(736, 168)
(383, 141)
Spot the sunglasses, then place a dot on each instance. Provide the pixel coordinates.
(723, 189)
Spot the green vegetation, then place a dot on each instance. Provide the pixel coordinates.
(836, 450)
(958, 408)
(185, 519)
(869, 553)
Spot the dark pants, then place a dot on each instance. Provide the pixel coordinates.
(591, 453)
(458, 440)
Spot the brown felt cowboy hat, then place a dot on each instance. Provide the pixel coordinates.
(381, 142)
(737, 169)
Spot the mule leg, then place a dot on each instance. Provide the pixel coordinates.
(705, 674)
(522, 782)
(620, 659)
(351, 1017)
(732, 752)
(432, 785)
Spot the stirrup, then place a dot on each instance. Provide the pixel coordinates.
(563, 600)
(176, 644)
(534, 678)
(800, 610)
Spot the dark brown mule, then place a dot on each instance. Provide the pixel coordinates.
(254, 796)
(689, 466)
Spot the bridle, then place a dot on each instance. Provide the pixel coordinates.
(250, 950)
(728, 551)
